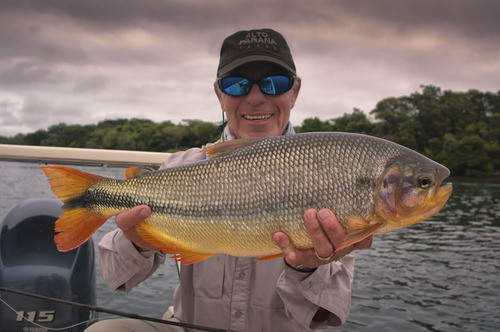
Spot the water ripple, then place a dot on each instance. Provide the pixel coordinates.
(439, 275)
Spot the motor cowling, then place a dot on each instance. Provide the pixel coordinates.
(30, 262)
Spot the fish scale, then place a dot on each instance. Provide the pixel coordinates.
(259, 194)
(249, 189)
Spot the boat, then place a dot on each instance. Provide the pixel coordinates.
(31, 265)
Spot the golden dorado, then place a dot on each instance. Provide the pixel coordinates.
(248, 189)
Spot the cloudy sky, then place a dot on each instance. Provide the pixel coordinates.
(81, 62)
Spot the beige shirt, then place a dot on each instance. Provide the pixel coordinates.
(236, 293)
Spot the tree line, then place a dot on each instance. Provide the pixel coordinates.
(461, 130)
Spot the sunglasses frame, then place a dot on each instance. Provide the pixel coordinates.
(291, 81)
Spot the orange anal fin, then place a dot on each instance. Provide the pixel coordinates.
(265, 258)
(135, 172)
(190, 258)
(75, 227)
(221, 149)
(172, 246)
(358, 230)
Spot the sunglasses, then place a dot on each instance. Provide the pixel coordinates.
(270, 85)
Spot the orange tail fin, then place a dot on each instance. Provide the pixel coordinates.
(77, 224)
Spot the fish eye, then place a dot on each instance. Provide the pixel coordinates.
(424, 182)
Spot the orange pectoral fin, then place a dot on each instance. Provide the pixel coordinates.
(169, 245)
(358, 229)
(75, 227)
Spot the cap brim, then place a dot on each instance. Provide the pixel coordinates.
(224, 70)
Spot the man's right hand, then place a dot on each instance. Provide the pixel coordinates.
(127, 220)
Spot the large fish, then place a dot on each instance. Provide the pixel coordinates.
(233, 202)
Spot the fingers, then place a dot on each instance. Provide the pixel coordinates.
(127, 220)
(326, 234)
(283, 242)
(292, 255)
(333, 235)
(317, 224)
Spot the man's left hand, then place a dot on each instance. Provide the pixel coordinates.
(326, 234)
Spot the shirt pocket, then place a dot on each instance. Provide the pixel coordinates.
(266, 277)
(208, 277)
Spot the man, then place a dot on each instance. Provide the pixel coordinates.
(257, 87)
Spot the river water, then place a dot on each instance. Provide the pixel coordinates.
(442, 274)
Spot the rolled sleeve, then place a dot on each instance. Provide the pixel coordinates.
(122, 265)
(329, 287)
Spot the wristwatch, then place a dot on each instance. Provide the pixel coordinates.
(301, 268)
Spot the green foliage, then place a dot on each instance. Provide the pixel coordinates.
(123, 134)
(314, 124)
(458, 129)
(356, 122)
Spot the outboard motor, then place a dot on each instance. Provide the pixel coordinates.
(30, 262)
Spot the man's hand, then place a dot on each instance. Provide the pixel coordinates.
(127, 220)
(326, 234)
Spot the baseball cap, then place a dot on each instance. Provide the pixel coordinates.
(254, 45)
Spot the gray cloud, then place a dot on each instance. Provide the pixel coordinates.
(29, 72)
(85, 61)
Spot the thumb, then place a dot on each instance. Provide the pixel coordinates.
(132, 217)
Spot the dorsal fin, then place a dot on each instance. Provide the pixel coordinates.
(224, 148)
(135, 172)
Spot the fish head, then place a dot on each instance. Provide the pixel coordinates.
(412, 190)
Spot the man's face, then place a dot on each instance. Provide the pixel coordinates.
(257, 114)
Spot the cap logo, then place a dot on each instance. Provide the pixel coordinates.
(259, 38)
(254, 45)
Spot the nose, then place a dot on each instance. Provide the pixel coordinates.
(255, 96)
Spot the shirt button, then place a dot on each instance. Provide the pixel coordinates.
(237, 314)
(241, 275)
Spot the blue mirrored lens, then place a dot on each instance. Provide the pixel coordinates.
(236, 86)
(271, 85)
(275, 85)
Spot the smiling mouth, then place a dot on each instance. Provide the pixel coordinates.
(257, 117)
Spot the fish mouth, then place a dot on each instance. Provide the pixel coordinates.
(444, 192)
(441, 197)
(257, 117)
